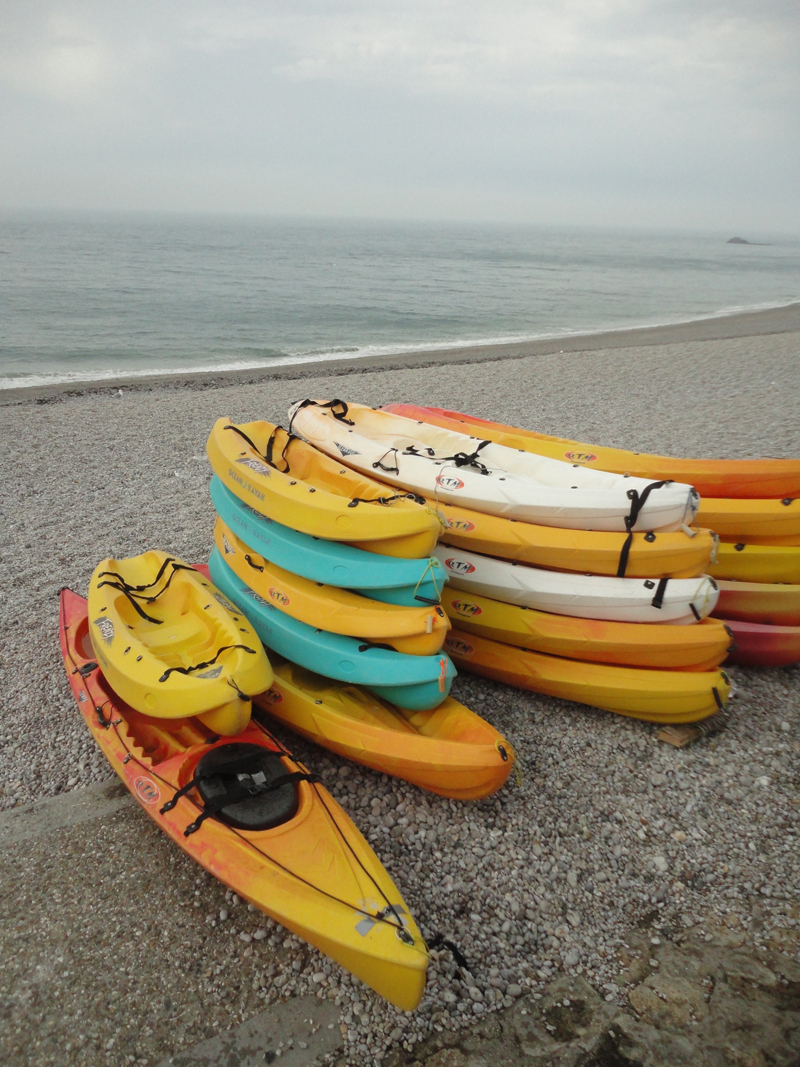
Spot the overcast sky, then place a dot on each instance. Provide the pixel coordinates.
(644, 112)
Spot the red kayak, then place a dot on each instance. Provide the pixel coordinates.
(760, 645)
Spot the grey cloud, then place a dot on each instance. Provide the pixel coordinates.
(633, 111)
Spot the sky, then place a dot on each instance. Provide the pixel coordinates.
(642, 113)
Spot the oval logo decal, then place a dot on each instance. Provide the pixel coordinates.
(460, 524)
(465, 608)
(459, 647)
(147, 791)
(580, 457)
(272, 696)
(459, 566)
(447, 481)
(279, 597)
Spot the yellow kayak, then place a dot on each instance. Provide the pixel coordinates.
(693, 648)
(414, 631)
(742, 562)
(656, 696)
(450, 750)
(742, 478)
(293, 484)
(656, 554)
(743, 519)
(171, 645)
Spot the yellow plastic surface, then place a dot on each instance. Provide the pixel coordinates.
(656, 696)
(696, 648)
(450, 750)
(190, 623)
(315, 495)
(742, 562)
(667, 555)
(414, 631)
(743, 519)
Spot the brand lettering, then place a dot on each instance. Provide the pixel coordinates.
(459, 566)
(447, 481)
(279, 597)
(147, 790)
(459, 647)
(465, 608)
(236, 477)
(460, 524)
(580, 457)
(106, 628)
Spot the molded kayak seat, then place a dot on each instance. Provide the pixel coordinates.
(265, 807)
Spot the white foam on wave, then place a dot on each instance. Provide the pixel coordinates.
(89, 376)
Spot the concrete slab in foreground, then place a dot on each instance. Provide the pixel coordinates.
(113, 950)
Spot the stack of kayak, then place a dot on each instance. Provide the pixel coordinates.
(562, 579)
(753, 506)
(337, 578)
(319, 581)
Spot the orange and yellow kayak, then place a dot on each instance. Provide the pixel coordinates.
(449, 750)
(745, 479)
(258, 821)
(659, 647)
(657, 696)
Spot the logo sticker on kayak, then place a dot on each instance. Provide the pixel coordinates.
(255, 465)
(346, 451)
(215, 672)
(459, 647)
(449, 481)
(259, 599)
(279, 597)
(272, 696)
(229, 550)
(463, 607)
(106, 628)
(147, 791)
(460, 524)
(459, 566)
(220, 599)
(580, 457)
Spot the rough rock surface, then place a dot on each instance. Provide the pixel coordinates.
(706, 1004)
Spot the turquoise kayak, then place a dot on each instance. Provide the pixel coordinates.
(418, 683)
(409, 582)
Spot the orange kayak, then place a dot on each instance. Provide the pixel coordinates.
(448, 750)
(746, 479)
(699, 647)
(258, 821)
(657, 696)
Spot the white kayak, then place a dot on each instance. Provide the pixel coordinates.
(678, 601)
(455, 469)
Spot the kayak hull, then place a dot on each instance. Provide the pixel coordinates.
(741, 478)
(410, 582)
(774, 605)
(677, 554)
(320, 894)
(657, 647)
(656, 696)
(450, 750)
(761, 645)
(419, 683)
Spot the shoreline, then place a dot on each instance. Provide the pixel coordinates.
(761, 323)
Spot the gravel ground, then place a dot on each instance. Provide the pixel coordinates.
(607, 830)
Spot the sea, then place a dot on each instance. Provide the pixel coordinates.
(93, 297)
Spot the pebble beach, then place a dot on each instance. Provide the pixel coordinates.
(608, 846)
